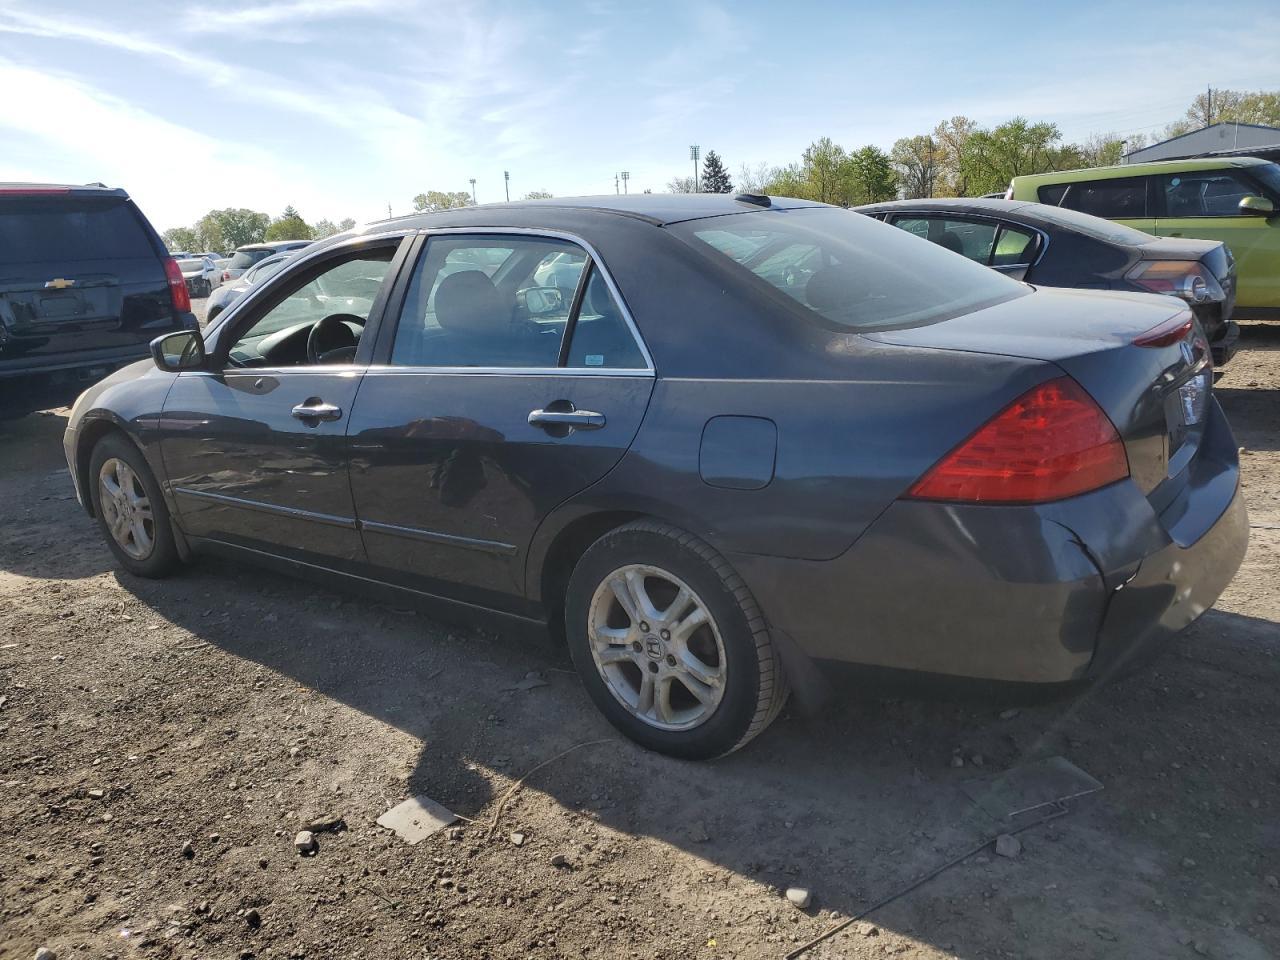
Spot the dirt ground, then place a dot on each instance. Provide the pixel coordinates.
(226, 708)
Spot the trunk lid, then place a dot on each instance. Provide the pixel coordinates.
(1157, 395)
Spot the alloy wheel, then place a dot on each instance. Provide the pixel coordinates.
(126, 510)
(657, 647)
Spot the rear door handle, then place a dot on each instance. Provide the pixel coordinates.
(578, 419)
(317, 410)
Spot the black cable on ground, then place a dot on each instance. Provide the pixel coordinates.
(1060, 810)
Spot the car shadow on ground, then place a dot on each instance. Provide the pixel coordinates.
(854, 803)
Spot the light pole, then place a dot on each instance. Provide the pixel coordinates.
(473, 190)
(625, 177)
(506, 183)
(694, 153)
(616, 188)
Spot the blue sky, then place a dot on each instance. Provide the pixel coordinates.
(340, 107)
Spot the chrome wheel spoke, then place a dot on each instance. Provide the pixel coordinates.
(684, 629)
(127, 512)
(662, 699)
(701, 673)
(705, 693)
(608, 655)
(644, 702)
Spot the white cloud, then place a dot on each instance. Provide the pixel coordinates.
(204, 19)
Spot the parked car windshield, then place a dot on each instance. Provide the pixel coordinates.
(1088, 224)
(186, 266)
(849, 269)
(70, 229)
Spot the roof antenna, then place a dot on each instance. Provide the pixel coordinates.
(757, 199)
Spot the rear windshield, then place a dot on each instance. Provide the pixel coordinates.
(849, 269)
(186, 266)
(243, 259)
(1087, 224)
(70, 230)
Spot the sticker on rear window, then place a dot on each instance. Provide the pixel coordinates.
(595, 359)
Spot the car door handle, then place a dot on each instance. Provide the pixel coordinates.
(578, 419)
(317, 410)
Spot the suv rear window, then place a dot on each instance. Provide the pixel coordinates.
(71, 229)
(848, 269)
(243, 259)
(1122, 198)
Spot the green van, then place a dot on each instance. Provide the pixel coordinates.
(1235, 200)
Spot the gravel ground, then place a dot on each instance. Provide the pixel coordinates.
(162, 743)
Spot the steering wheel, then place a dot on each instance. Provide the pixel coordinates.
(332, 335)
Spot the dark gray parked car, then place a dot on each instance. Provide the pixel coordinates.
(1056, 247)
(754, 435)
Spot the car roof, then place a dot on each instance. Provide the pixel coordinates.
(990, 206)
(656, 208)
(1141, 169)
(54, 189)
(274, 245)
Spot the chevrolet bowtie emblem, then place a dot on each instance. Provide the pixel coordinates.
(58, 284)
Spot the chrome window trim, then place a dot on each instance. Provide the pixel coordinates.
(548, 234)
(275, 509)
(627, 372)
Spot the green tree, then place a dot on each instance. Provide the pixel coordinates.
(1107, 149)
(916, 161)
(181, 238)
(288, 226)
(230, 228)
(754, 179)
(537, 195)
(951, 137)
(680, 185)
(870, 176)
(436, 200)
(788, 181)
(825, 171)
(345, 224)
(715, 178)
(991, 158)
(1228, 106)
(323, 228)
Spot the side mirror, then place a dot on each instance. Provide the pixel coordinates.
(1259, 206)
(179, 351)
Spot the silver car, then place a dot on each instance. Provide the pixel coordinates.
(228, 293)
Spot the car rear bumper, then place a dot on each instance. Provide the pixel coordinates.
(1044, 594)
(89, 365)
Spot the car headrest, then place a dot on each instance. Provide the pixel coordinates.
(951, 242)
(831, 289)
(468, 302)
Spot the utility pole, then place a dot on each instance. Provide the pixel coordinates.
(1208, 107)
(473, 190)
(615, 184)
(625, 177)
(506, 183)
(694, 153)
(388, 209)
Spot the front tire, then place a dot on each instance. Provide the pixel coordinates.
(130, 509)
(670, 643)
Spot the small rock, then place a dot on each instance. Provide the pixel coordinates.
(977, 760)
(294, 751)
(305, 842)
(97, 794)
(1188, 863)
(698, 832)
(517, 839)
(560, 860)
(1009, 714)
(253, 919)
(456, 833)
(188, 850)
(799, 897)
(1008, 845)
(262, 862)
(44, 953)
(1200, 947)
(868, 930)
(327, 823)
(957, 761)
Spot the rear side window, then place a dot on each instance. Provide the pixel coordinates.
(70, 230)
(847, 269)
(969, 238)
(1206, 193)
(1124, 198)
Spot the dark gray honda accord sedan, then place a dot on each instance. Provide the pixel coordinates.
(717, 440)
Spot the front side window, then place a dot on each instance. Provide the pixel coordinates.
(1206, 193)
(320, 319)
(1122, 198)
(498, 301)
(969, 238)
(847, 269)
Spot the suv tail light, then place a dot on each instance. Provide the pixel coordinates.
(179, 296)
(1189, 279)
(1053, 442)
(226, 275)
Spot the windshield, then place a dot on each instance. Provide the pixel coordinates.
(188, 266)
(849, 269)
(1088, 224)
(1269, 174)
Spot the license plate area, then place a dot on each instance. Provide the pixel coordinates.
(1185, 409)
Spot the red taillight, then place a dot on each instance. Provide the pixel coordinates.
(1051, 443)
(178, 293)
(32, 191)
(1168, 333)
(226, 275)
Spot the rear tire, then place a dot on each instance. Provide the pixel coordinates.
(130, 509)
(670, 644)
